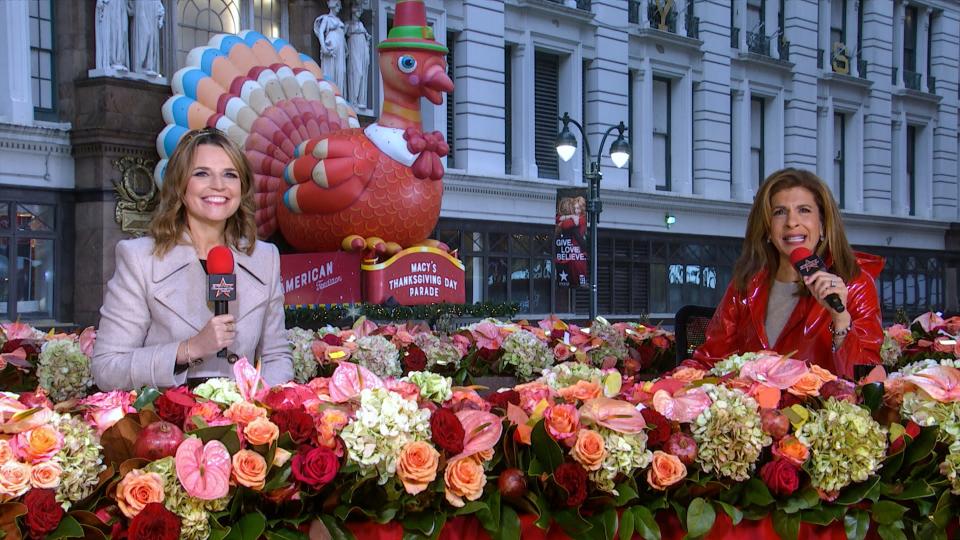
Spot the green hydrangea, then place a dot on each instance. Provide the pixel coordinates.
(951, 467)
(194, 513)
(568, 373)
(383, 425)
(433, 386)
(80, 457)
(441, 354)
(626, 454)
(890, 351)
(63, 370)
(729, 435)
(846, 445)
(526, 355)
(305, 364)
(613, 343)
(926, 411)
(377, 354)
(732, 364)
(219, 390)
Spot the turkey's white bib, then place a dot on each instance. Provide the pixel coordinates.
(390, 141)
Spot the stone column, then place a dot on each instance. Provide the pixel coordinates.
(946, 162)
(644, 90)
(899, 11)
(878, 49)
(682, 136)
(853, 9)
(711, 104)
(898, 171)
(741, 187)
(524, 108)
(824, 47)
(771, 27)
(798, 118)
(740, 18)
(923, 35)
(606, 91)
(479, 89)
(825, 143)
(16, 96)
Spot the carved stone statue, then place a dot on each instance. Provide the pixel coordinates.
(358, 56)
(112, 23)
(148, 20)
(330, 30)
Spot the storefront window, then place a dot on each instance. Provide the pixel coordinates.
(28, 256)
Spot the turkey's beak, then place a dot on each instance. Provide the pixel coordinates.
(436, 83)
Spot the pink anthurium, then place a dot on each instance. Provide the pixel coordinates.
(774, 370)
(613, 414)
(684, 406)
(349, 379)
(203, 469)
(251, 384)
(942, 383)
(482, 431)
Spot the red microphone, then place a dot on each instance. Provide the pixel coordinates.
(221, 282)
(808, 264)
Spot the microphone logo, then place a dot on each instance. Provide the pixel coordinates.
(809, 266)
(222, 287)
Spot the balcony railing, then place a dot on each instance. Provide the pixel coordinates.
(861, 67)
(633, 12)
(911, 79)
(585, 5)
(693, 27)
(735, 37)
(820, 54)
(931, 84)
(893, 76)
(758, 43)
(783, 49)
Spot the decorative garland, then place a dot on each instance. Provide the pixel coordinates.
(315, 316)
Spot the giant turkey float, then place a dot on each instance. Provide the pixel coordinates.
(340, 195)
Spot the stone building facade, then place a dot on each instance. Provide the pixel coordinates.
(715, 94)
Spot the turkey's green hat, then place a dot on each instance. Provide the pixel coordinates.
(410, 30)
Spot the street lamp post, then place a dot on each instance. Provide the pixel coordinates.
(619, 154)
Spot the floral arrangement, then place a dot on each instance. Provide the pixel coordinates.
(588, 445)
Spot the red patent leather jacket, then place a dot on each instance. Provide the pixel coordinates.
(738, 324)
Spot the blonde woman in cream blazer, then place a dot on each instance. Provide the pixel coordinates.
(156, 326)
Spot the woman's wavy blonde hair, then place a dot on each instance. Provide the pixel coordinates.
(170, 219)
(758, 253)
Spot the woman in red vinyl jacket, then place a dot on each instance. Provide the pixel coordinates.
(769, 306)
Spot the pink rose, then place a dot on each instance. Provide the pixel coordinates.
(462, 343)
(901, 334)
(6, 452)
(408, 390)
(465, 399)
(45, 475)
(87, 340)
(561, 351)
(14, 479)
(38, 444)
(105, 409)
(137, 489)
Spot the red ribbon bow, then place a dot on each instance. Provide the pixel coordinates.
(431, 148)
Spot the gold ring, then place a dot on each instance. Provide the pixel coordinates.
(833, 283)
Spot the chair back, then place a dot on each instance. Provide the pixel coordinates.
(690, 326)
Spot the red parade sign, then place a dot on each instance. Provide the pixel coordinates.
(415, 276)
(320, 278)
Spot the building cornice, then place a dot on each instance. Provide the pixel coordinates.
(667, 39)
(548, 7)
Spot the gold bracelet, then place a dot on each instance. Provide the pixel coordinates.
(191, 362)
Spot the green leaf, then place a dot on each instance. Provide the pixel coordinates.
(625, 530)
(422, 522)
(69, 527)
(336, 531)
(146, 397)
(471, 507)
(822, 515)
(922, 446)
(215, 433)
(218, 531)
(509, 524)
(604, 525)
(645, 523)
(757, 493)
(277, 480)
(546, 449)
(735, 514)
(250, 527)
(572, 523)
(857, 492)
(626, 494)
(808, 498)
(887, 512)
(700, 517)
(489, 517)
(285, 534)
(786, 525)
(891, 532)
(891, 466)
(856, 523)
(944, 512)
(912, 490)
(872, 395)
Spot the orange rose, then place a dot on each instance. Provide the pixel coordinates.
(583, 391)
(823, 374)
(249, 469)
(261, 431)
(38, 444)
(792, 450)
(589, 450)
(244, 412)
(137, 489)
(665, 470)
(808, 385)
(463, 478)
(688, 374)
(6, 453)
(483, 455)
(14, 479)
(562, 421)
(417, 466)
(45, 475)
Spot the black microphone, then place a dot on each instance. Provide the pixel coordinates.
(808, 264)
(221, 285)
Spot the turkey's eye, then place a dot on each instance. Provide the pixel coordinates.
(407, 63)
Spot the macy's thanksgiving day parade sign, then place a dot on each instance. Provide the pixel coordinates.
(323, 183)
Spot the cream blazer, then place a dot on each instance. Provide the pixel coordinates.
(153, 304)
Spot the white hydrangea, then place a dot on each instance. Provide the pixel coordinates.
(732, 364)
(568, 373)
(379, 355)
(433, 386)
(626, 454)
(301, 348)
(383, 425)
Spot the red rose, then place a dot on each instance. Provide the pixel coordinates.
(332, 339)
(279, 398)
(781, 476)
(296, 422)
(447, 431)
(173, 404)
(315, 467)
(43, 512)
(572, 478)
(414, 359)
(154, 522)
(557, 333)
(840, 389)
(501, 399)
(659, 426)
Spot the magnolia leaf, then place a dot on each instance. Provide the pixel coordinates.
(489, 517)
(891, 531)
(944, 512)
(118, 440)
(644, 523)
(822, 515)
(625, 529)
(857, 492)
(872, 395)
(736, 516)
(700, 517)
(758, 493)
(146, 397)
(786, 525)
(887, 512)
(9, 512)
(546, 449)
(572, 523)
(289, 534)
(911, 490)
(808, 498)
(856, 523)
(336, 531)
(626, 493)
(92, 533)
(509, 524)
(922, 446)
(604, 525)
(68, 528)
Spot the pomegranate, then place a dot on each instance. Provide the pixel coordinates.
(683, 446)
(774, 423)
(158, 440)
(512, 484)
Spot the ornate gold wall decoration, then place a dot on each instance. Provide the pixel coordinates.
(137, 195)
